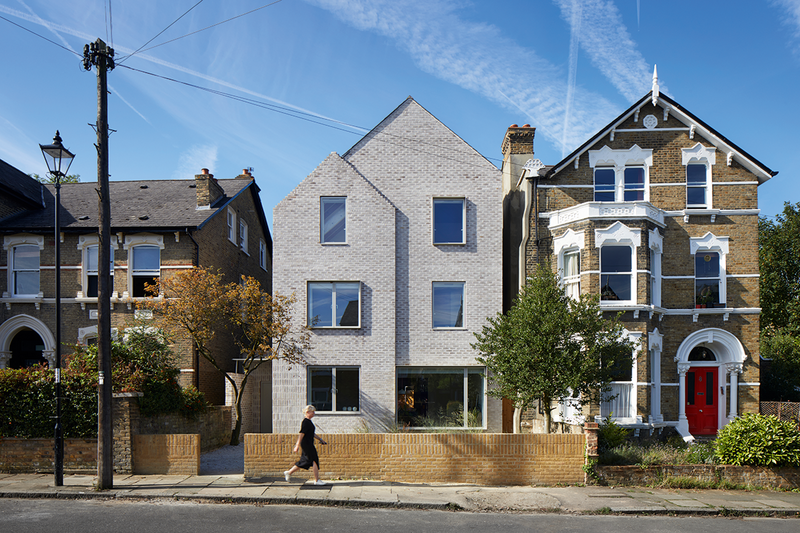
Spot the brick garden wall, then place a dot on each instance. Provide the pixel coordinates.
(166, 454)
(481, 458)
(19, 456)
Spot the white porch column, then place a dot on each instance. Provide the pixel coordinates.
(683, 421)
(654, 343)
(5, 357)
(50, 357)
(734, 369)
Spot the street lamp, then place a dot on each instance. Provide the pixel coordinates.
(56, 156)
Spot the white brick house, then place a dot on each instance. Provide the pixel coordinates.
(394, 253)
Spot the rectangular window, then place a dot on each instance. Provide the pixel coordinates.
(604, 184)
(634, 184)
(243, 235)
(572, 274)
(706, 279)
(333, 219)
(231, 226)
(25, 270)
(145, 268)
(620, 398)
(449, 220)
(262, 254)
(696, 186)
(616, 273)
(334, 304)
(448, 304)
(90, 266)
(430, 397)
(333, 389)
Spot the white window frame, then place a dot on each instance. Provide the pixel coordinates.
(618, 234)
(262, 254)
(231, 218)
(322, 218)
(463, 285)
(85, 243)
(711, 243)
(656, 242)
(623, 388)
(570, 242)
(243, 234)
(131, 242)
(700, 155)
(463, 201)
(619, 160)
(11, 242)
(334, 390)
(332, 284)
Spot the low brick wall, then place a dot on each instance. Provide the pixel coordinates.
(166, 454)
(484, 459)
(759, 476)
(38, 455)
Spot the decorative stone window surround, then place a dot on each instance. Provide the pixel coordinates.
(621, 235)
(619, 159)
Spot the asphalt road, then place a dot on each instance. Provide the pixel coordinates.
(96, 516)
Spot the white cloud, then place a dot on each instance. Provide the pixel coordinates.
(194, 159)
(478, 57)
(792, 8)
(606, 41)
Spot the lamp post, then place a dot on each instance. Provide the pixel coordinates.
(56, 156)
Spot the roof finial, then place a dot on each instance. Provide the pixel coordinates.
(655, 85)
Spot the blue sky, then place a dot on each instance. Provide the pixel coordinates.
(329, 70)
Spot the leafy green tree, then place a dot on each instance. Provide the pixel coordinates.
(549, 346)
(72, 178)
(779, 266)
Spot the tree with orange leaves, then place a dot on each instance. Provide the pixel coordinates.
(198, 303)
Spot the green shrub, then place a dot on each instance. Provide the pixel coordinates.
(759, 440)
(611, 434)
(28, 404)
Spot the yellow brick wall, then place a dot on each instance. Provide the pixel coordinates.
(166, 454)
(484, 459)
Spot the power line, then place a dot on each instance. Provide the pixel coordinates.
(316, 119)
(213, 25)
(41, 36)
(159, 33)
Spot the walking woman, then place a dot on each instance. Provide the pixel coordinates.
(305, 441)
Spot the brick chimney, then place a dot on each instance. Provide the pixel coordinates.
(208, 190)
(245, 175)
(518, 140)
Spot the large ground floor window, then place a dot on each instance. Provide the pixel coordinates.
(441, 397)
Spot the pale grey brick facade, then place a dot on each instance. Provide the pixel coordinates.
(390, 179)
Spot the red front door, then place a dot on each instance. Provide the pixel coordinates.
(701, 400)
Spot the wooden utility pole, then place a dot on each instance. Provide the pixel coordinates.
(100, 56)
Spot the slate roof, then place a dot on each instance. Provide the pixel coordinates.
(16, 184)
(150, 205)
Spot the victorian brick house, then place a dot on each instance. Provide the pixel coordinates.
(658, 215)
(158, 227)
(394, 252)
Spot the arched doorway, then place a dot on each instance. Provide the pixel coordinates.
(36, 342)
(26, 349)
(709, 364)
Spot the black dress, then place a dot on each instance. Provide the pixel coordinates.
(309, 456)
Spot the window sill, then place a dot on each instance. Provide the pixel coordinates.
(23, 299)
(324, 328)
(334, 243)
(449, 243)
(337, 413)
(450, 329)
